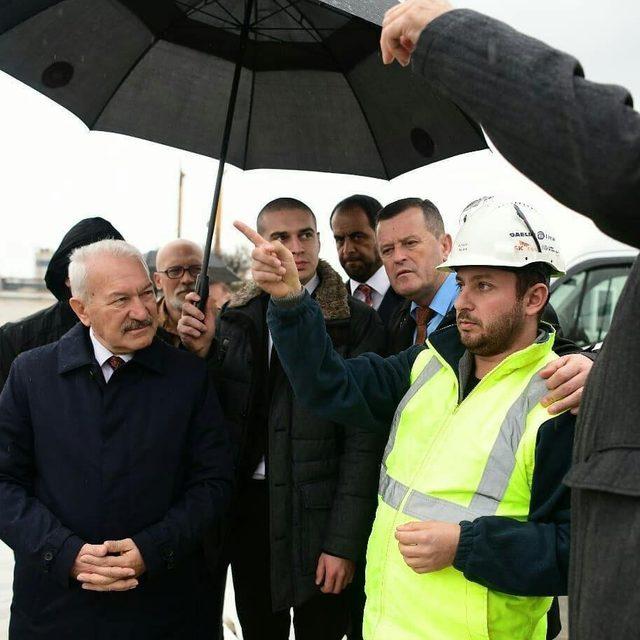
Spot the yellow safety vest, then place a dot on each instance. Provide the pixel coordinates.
(451, 461)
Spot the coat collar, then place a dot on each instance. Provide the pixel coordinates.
(74, 350)
(331, 294)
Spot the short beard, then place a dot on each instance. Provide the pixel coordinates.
(175, 302)
(363, 271)
(496, 337)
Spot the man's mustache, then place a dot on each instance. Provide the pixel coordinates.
(188, 288)
(463, 315)
(132, 325)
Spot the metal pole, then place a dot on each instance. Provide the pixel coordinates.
(179, 221)
(202, 283)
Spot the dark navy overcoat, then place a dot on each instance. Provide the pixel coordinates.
(145, 456)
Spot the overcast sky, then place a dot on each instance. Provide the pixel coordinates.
(54, 172)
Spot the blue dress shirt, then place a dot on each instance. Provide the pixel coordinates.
(440, 305)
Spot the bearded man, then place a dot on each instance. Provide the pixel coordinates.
(178, 264)
(471, 535)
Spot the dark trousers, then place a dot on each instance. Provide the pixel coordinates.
(324, 617)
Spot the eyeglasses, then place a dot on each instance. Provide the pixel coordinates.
(178, 271)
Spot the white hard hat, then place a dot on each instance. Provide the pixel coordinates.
(496, 233)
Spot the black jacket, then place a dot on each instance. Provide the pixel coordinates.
(46, 326)
(580, 142)
(144, 456)
(521, 558)
(322, 476)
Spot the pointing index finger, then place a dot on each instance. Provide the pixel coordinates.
(249, 233)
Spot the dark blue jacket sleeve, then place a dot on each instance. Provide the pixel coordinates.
(207, 489)
(361, 392)
(26, 524)
(527, 558)
(551, 123)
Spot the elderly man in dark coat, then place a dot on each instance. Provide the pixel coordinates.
(113, 464)
(580, 141)
(47, 325)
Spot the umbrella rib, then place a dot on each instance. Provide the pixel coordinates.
(192, 10)
(276, 12)
(273, 38)
(315, 36)
(364, 115)
(318, 29)
(217, 2)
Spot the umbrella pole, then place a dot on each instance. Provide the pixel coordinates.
(202, 283)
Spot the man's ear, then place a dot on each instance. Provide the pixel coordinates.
(446, 243)
(536, 298)
(80, 310)
(157, 280)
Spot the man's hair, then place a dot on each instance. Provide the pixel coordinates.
(528, 276)
(284, 204)
(432, 218)
(369, 205)
(80, 257)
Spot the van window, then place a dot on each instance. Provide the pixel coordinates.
(585, 302)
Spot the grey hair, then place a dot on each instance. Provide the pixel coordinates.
(80, 258)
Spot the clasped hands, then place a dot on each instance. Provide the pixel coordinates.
(113, 565)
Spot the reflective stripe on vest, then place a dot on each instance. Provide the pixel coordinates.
(432, 367)
(495, 477)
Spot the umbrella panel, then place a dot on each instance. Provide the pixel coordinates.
(313, 94)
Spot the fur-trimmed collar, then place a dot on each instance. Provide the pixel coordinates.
(331, 294)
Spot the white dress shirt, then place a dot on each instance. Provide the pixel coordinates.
(260, 472)
(102, 354)
(379, 283)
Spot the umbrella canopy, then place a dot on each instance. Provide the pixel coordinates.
(370, 10)
(312, 94)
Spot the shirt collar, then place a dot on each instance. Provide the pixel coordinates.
(444, 299)
(102, 354)
(312, 285)
(379, 282)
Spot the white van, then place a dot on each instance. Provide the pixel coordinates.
(586, 296)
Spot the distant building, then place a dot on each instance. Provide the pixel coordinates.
(43, 257)
(33, 285)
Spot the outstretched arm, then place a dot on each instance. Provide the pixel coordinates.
(362, 392)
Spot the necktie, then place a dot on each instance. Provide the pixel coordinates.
(366, 292)
(422, 318)
(115, 362)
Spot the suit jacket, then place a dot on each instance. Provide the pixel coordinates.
(145, 456)
(580, 142)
